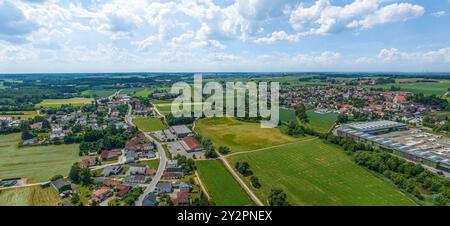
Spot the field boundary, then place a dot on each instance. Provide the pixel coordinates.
(200, 182)
(268, 148)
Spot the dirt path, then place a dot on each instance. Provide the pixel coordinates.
(200, 182)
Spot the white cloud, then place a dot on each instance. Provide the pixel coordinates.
(277, 37)
(395, 55)
(439, 14)
(324, 18)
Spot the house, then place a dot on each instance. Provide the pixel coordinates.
(185, 186)
(164, 187)
(181, 131)
(172, 175)
(191, 144)
(121, 191)
(61, 185)
(112, 155)
(37, 125)
(111, 170)
(101, 194)
(137, 169)
(88, 162)
(111, 183)
(29, 142)
(172, 164)
(182, 198)
(135, 179)
(150, 200)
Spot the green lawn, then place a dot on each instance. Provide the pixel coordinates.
(241, 136)
(29, 196)
(149, 124)
(313, 173)
(36, 163)
(154, 163)
(222, 187)
(55, 103)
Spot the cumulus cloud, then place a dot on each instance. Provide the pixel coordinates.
(324, 18)
(439, 13)
(395, 55)
(14, 26)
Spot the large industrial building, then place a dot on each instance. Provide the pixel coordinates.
(369, 133)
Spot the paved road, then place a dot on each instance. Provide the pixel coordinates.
(162, 161)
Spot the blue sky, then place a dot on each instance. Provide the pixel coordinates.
(227, 35)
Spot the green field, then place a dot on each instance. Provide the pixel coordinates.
(99, 92)
(287, 115)
(321, 122)
(29, 196)
(165, 107)
(149, 124)
(36, 163)
(25, 115)
(240, 136)
(154, 163)
(427, 88)
(313, 173)
(224, 190)
(55, 103)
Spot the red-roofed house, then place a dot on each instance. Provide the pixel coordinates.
(192, 144)
(182, 198)
(88, 162)
(110, 155)
(121, 191)
(101, 194)
(37, 125)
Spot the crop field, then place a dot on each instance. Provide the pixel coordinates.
(149, 124)
(241, 136)
(313, 173)
(221, 186)
(29, 196)
(287, 115)
(19, 114)
(36, 163)
(55, 103)
(427, 88)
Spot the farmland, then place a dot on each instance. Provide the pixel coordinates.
(99, 92)
(36, 163)
(149, 124)
(438, 88)
(19, 114)
(240, 136)
(55, 103)
(315, 173)
(317, 121)
(225, 191)
(29, 196)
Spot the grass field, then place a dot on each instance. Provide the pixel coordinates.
(321, 122)
(154, 163)
(36, 163)
(149, 124)
(99, 92)
(240, 136)
(29, 196)
(165, 107)
(222, 187)
(55, 103)
(428, 88)
(25, 115)
(314, 173)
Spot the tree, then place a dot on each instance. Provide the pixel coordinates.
(342, 118)
(85, 176)
(440, 200)
(74, 173)
(255, 182)
(277, 197)
(224, 150)
(300, 112)
(26, 135)
(211, 153)
(243, 168)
